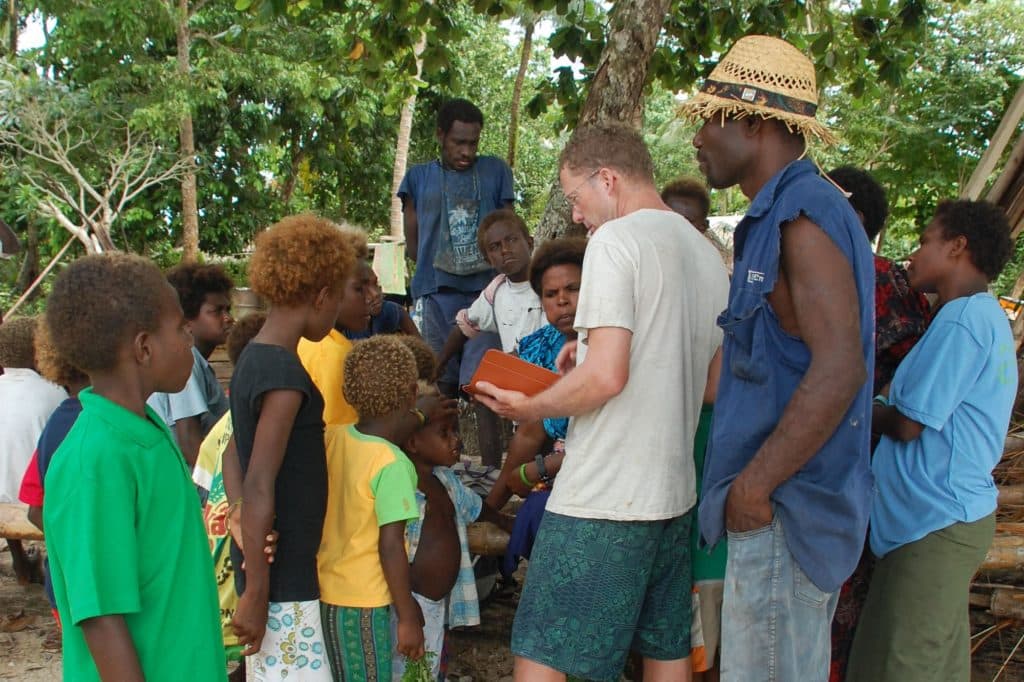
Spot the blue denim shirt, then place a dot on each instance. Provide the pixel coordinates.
(423, 184)
(824, 506)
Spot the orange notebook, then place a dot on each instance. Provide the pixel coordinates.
(511, 373)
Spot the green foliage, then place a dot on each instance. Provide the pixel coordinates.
(419, 670)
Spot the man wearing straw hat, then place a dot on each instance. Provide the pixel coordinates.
(787, 476)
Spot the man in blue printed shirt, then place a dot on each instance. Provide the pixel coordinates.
(787, 474)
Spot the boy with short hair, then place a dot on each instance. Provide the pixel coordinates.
(205, 295)
(362, 563)
(508, 306)
(129, 559)
(942, 421)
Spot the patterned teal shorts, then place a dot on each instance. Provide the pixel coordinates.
(358, 642)
(596, 589)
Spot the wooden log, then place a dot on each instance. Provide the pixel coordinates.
(1006, 552)
(487, 539)
(1011, 495)
(14, 523)
(1007, 603)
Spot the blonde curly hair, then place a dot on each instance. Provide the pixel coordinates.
(52, 365)
(298, 256)
(426, 363)
(380, 373)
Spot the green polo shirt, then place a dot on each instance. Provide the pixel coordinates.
(125, 537)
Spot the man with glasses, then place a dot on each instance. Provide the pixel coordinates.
(610, 570)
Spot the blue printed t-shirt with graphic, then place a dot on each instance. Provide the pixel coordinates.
(57, 427)
(463, 601)
(959, 382)
(389, 321)
(125, 538)
(424, 184)
(824, 506)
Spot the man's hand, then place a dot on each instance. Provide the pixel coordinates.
(507, 404)
(746, 507)
(250, 622)
(566, 360)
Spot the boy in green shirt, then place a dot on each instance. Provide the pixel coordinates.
(130, 563)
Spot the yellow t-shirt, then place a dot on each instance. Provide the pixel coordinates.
(325, 362)
(370, 483)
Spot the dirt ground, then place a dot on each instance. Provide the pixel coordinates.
(478, 654)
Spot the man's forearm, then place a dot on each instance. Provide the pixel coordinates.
(112, 648)
(582, 390)
(809, 420)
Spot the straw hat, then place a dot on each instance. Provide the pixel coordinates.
(762, 76)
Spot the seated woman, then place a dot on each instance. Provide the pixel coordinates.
(536, 450)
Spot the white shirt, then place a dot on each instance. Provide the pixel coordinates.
(632, 458)
(27, 401)
(515, 313)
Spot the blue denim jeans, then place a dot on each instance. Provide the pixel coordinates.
(439, 310)
(775, 621)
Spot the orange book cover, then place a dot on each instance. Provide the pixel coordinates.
(510, 373)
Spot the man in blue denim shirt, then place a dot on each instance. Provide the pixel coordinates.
(787, 473)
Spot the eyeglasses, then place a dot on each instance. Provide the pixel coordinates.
(573, 196)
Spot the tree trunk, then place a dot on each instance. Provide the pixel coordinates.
(517, 92)
(189, 203)
(12, 27)
(616, 91)
(30, 265)
(402, 145)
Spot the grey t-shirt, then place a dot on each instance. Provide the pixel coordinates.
(202, 397)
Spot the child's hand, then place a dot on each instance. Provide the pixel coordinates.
(506, 522)
(410, 638)
(437, 407)
(270, 548)
(250, 622)
(566, 360)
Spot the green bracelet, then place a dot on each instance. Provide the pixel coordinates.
(522, 476)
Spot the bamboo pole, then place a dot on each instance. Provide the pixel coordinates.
(42, 275)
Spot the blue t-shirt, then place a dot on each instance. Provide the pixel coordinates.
(491, 180)
(388, 322)
(57, 427)
(959, 382)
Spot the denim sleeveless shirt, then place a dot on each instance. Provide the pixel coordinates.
(823, 507)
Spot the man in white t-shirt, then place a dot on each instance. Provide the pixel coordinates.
(610, 570)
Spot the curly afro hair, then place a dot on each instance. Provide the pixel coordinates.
(458, 110)
(986, 228)
(16, 343)
(686, 187)
(379, 375)
(52, 365)
(501, 215)
(565, 251)
(299, 256)
(99, 302)
(242, 332)
(194, 281)
(426, 363)
(356, 237)
(867, 196)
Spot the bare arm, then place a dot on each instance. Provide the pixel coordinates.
(189, 432)
(405, 323)
(452, 345)
(112, 649)
(275, 424)
(35, 516)
(601, 377)
(411, 226)
(886, 420)
(395, 563)
(714, 372)
(822, 294)
(492, 515)
(526, 442)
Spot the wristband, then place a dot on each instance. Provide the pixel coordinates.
(419, 415)
(880, 400)
(542, 470)
(522, 476)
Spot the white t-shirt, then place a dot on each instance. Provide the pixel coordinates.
(516, 313)
(28, 400)
(632, 459)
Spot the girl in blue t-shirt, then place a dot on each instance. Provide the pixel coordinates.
(942, 423)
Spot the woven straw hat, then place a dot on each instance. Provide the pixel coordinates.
(762, 76)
